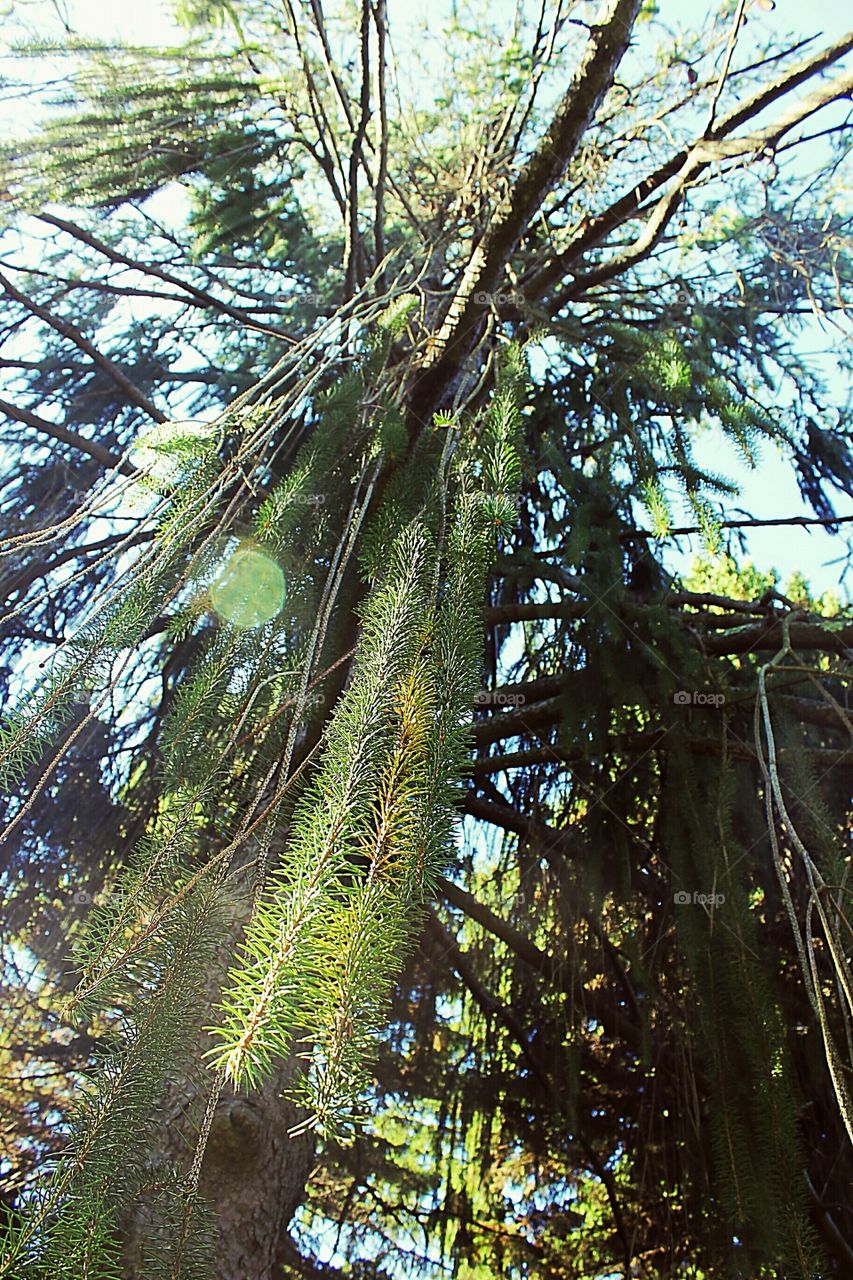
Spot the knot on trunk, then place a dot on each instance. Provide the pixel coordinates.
(235, 1134)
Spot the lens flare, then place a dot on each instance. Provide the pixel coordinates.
(250, 589)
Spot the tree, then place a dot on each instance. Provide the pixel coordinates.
(394, 415)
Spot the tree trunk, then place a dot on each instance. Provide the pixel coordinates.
(253, 1174)
(254, 1177)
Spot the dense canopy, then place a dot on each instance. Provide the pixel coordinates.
(426, 828)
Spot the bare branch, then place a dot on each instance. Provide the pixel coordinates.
(778, 521)
(70, 331)
(727, 62)
(91, 447)
(629, 205)
(196, 297)
(352, 271)
(460, 331)
(700, 157)
(379, 18)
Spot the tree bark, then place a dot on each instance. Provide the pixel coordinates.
(253, 1174)
(254, 1177)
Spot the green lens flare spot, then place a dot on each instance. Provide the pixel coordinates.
(250, 589)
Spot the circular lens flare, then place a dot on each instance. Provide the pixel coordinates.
(250, 589)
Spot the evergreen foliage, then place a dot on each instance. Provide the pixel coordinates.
(346, 538)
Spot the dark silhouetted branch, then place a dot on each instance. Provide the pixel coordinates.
(73, 438)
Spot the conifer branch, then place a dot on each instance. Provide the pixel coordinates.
(609, 38)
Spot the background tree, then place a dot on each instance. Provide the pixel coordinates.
(352, 383)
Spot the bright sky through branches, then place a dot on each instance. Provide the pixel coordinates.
(770, 491)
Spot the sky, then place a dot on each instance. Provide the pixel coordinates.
(134, 21)
(151, 21)
(771, 490)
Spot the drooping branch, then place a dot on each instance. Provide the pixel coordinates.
(19, 582)
(596, 1003)
(549, 841)
(489, 1003)
(492, 1007)
(514, 938)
